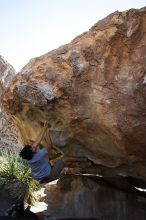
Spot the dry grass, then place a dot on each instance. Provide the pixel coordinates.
(15, 176)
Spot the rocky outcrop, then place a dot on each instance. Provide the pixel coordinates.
(90, 197)
(92, 93)
(7, 73)
(8, 134)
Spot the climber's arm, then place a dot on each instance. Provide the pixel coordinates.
(40, 137)
(48, 139)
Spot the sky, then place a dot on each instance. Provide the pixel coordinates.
(31, 28)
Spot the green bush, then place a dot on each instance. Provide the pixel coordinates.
(15, 176)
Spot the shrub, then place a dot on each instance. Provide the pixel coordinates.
(15, 176)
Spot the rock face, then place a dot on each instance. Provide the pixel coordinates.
(7, 73)
(8, 133)
(82, 197)
(92, 93)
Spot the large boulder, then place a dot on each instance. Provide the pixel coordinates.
(92, 93)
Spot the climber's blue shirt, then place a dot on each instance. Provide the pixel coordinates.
(40, 167)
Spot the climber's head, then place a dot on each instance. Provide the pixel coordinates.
(27, 152)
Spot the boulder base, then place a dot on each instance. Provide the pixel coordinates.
(88, 197)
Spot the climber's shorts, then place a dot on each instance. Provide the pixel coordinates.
(55, 171)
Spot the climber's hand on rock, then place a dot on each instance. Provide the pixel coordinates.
(46, 125)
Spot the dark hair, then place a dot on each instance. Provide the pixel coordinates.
(27, 152)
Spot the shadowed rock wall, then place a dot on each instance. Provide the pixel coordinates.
(86, 197)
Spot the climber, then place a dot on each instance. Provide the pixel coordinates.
(41, 169)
